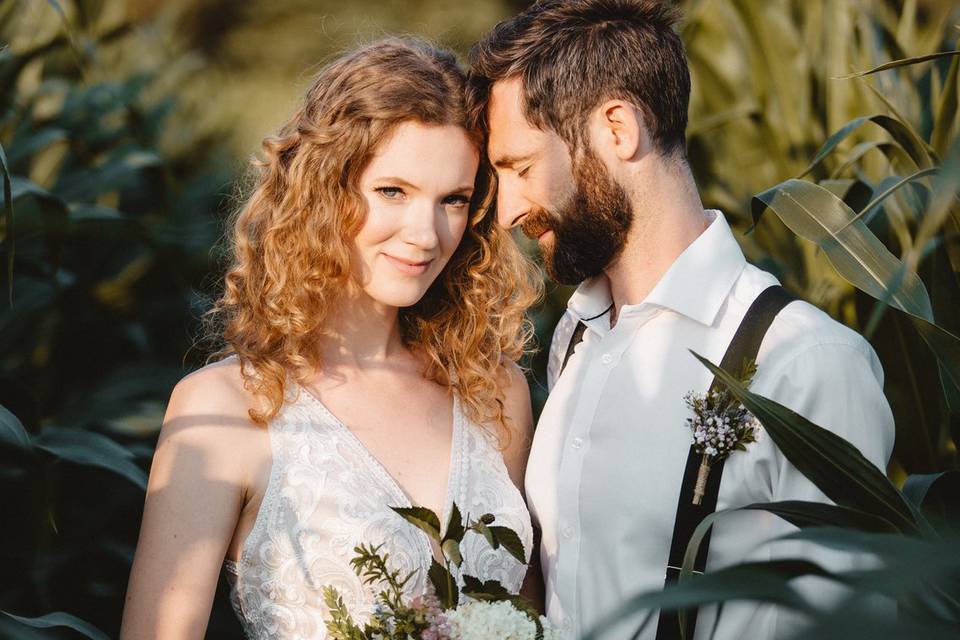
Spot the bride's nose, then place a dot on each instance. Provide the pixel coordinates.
(420, 224)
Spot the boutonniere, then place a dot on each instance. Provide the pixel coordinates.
(720, 426)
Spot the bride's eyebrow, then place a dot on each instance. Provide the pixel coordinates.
(395, 181)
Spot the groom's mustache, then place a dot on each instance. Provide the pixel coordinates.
(536, 223)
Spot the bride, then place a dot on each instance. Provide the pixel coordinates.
(370, 319)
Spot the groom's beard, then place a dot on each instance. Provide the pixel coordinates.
(589, 230)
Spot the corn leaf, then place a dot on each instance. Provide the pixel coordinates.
(814, 213)
(831, 463)
(902, 135)
(902, 63)
(60, 619)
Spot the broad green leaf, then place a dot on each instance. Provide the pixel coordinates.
(451, 551)
(24, 147)
(444, 585)
(8, 222)
(831, 463)
(815, 214)
(454, 530)
(23, 188)
(901, 63)
(816, 514)
(889, 150)
(12, 430)
(115, 173)
(938, 494)
(945, 346)
(422, 518)
(510, 541)
(92, 449)
(80, 212)
(946, 114)
(848, 623)
(484, 530)
(898, 551)
(58, 8)
(917, 486)
(764, 582)
(60, 619)
(913, 146)
(489, 590)
(874, 204)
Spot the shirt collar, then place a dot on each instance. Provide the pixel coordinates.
(695, 285)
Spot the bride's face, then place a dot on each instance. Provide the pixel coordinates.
(417, 190)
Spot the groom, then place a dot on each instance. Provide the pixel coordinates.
(585, 103)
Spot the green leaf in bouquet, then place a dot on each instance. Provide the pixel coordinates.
(341, 625)
(835, 466)
(444, 585)
(61, 619)
(422, 518)
(484, 530)
(509, 540)
(12, 430)
(490, 590)
(455, 530)
(451, 551)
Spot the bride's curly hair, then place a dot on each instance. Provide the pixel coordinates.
(290, 241)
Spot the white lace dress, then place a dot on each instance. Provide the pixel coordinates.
(327, 494)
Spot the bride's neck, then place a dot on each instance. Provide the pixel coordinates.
(360, 333)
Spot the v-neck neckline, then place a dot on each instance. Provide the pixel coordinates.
(388, 478)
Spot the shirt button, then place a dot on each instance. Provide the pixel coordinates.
(606, 358)
(567, 532)
(567, 622)
(576, 443)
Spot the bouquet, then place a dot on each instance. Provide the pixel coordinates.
(489, 611)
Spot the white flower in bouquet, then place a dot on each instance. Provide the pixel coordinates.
(484, 620)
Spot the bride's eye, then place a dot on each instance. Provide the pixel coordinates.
(390, 193)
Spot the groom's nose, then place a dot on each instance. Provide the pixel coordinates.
(511, 207)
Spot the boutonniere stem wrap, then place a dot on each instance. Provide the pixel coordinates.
(720, 426)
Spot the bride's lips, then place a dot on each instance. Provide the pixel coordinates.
(407, 267)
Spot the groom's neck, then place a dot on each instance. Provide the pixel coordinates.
(668, 217)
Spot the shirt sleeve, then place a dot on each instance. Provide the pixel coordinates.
(558, 346)
(837, 386)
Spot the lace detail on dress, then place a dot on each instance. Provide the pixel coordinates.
(327, 493)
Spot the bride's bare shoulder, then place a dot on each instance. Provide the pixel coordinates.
(210, 408)
(217, 386)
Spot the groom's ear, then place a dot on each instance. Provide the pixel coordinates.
(618, 131)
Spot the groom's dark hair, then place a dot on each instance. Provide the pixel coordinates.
(571, 55)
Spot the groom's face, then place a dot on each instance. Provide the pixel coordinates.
(576, 212)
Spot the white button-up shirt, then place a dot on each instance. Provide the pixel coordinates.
(608, 456)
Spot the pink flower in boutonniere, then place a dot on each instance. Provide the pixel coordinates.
(720, 426)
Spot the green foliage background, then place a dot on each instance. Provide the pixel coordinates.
(126, 127)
